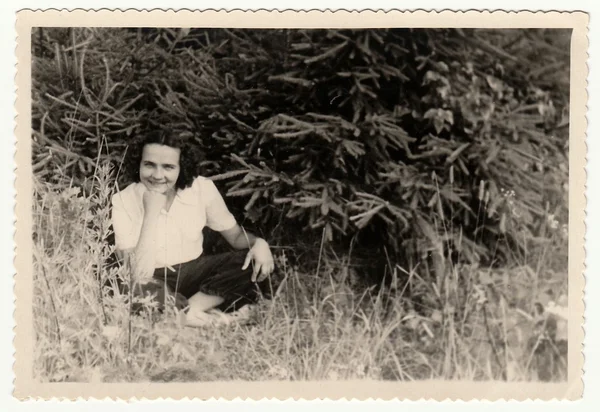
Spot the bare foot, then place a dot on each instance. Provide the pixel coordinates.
(202, 302)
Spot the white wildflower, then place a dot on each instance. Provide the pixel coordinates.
(163, 340)
(110, 332)
(278, 372)
(557, 310)
(552, 222)
(333, 375)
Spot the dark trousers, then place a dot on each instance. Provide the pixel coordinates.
(218, 275)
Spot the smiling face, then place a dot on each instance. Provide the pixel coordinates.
(159, 168)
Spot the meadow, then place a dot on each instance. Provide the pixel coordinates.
(422, 257)
(321, 322)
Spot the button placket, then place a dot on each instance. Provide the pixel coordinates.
(162, 233)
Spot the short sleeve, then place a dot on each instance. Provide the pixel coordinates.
(218, 216)
(124, 222)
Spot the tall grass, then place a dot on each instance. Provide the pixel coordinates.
(322, 322)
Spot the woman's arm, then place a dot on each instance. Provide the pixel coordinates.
(141, 256)
(239, 238)
(221, 220)
(259, 252)
(143, 253)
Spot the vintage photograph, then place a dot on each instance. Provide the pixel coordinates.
(267, 204)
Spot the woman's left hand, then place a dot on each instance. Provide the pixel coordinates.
(261, 255)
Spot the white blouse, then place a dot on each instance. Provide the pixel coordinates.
(179, 233)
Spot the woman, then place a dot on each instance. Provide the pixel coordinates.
(158, 222)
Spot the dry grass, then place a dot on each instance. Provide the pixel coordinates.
(321, 323)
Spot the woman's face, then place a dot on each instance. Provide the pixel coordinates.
(159, 168)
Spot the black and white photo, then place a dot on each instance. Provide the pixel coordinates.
(381, 204)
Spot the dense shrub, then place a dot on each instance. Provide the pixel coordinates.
(410, 143)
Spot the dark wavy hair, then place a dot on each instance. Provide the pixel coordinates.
(190, 155)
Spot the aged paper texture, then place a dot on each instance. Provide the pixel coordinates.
(356, 143)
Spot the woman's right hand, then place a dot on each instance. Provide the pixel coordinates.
(154, 202)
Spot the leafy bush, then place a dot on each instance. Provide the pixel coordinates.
(418, 145)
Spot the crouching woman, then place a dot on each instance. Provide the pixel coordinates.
(158, 221)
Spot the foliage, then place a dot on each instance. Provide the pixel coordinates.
(378, 135)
